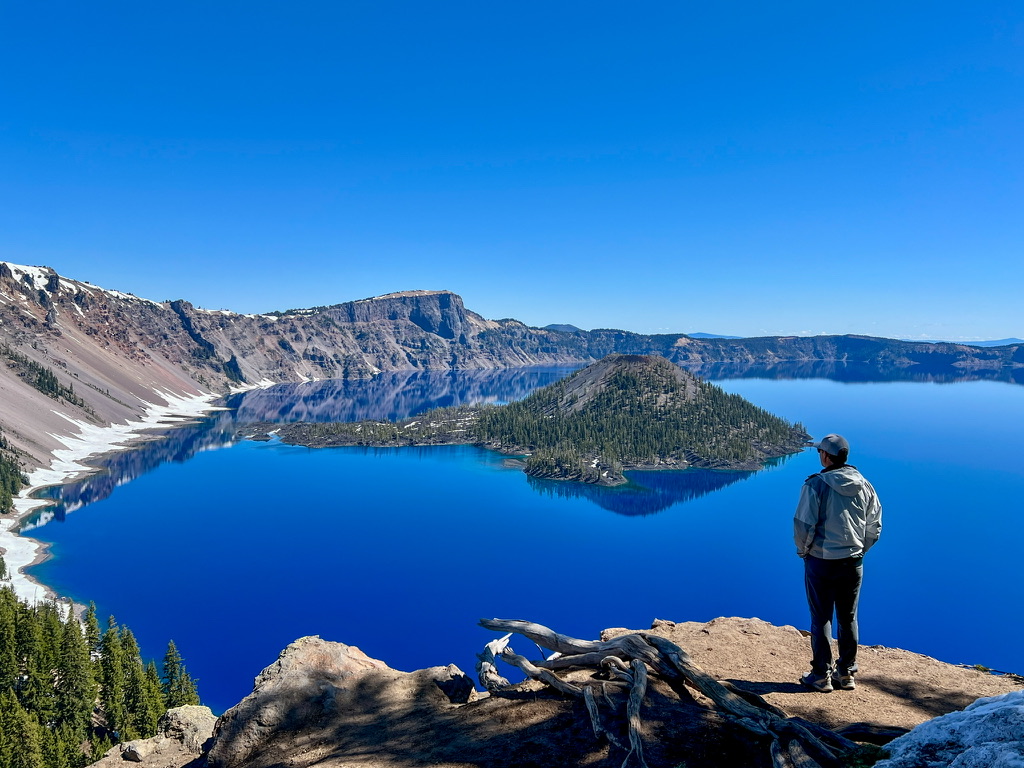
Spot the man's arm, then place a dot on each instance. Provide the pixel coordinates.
(873, 522)
(805, 520)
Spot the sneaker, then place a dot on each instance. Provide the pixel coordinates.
(820, 683)
(845, 682)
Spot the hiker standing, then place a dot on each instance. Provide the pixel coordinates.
(837, 520)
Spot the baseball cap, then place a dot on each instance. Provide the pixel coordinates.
(833, 444)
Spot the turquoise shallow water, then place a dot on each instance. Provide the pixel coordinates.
(237, 551)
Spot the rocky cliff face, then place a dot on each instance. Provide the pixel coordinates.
(123, 354)
(113, 356)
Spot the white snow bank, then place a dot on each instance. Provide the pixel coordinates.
(988, 734)
(90, 440)
(40, 276)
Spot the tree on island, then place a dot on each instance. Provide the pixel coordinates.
(622, 412)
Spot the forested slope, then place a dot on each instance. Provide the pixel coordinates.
(68, 690)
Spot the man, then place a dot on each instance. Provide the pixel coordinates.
(837, 520)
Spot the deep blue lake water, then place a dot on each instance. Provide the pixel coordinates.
(235, 552)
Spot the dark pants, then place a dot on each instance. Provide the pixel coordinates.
(833, 586)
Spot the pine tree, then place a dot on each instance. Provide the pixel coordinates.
(76, 689)
(92, 628)
(22, 736)
(49, 687)
(54, 750)
(154, 693)
(8, 659)
(35, 684)
(171, 671)
(139, 715)
(178, 686)
(112, 677)
(185, 692)
(8, 724)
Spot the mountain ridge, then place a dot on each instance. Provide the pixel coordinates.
(126, 356)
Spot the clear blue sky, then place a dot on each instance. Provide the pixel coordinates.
(735, 167)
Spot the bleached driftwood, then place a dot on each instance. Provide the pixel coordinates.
(792, 742)
(486, 670)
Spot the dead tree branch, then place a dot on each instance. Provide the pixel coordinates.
(486, 671)
(793, 743)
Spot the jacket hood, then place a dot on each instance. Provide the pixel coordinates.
(846, 481)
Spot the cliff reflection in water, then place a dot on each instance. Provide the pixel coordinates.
(389, 396)
(178, 445)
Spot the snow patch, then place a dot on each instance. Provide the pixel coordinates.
(88, 440)
(40, 275)
(226, 312)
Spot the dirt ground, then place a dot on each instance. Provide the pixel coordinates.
(894, 687)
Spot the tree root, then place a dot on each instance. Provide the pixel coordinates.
(636, 698)
(793, 742)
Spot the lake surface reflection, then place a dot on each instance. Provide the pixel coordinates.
(390, 396)
(235, 552)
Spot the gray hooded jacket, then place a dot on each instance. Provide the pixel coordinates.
(838, 515)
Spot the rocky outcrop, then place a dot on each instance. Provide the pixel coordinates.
(988, 734)
(328, 705)
(182, 735)
(311, 693)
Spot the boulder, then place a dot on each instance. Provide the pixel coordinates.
(327, 696)
(191, 726)
(138, 750)
(301, 688)
(990, 732)
(455, 684)
(182, 734)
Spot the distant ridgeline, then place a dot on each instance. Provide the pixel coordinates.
(622, 412)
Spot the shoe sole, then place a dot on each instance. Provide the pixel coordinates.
(818, 690)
